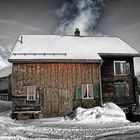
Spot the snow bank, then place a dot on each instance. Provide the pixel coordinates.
(110, 112)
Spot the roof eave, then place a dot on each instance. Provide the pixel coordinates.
(120, 54)
(55, 60)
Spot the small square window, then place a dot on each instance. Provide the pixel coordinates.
(120, 67)
(87, 91)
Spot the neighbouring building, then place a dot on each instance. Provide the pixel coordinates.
(54, 74)
(5, 84)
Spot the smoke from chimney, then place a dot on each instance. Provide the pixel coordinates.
(79, 13)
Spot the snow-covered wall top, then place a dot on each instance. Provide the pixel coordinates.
(55, 47)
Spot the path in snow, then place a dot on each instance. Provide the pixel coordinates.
(32, 129)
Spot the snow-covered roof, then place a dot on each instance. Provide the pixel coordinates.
(5, 68)
(6, 71)
(68, 48)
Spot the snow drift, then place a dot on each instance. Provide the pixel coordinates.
(110, 112)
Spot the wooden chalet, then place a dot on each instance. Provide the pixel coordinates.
(54, 74)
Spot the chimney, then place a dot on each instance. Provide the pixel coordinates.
(77, 32)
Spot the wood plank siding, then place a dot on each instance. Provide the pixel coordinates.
(55, 84)
(5, 88)
(109, 78)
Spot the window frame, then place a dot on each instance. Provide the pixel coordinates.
(88, 91)
(31, 92)
(126, 91)
(4, 97)
(121, 66)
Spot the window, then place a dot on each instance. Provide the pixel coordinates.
(87, 91)
(120, 67)
(4, 97)
(3, 84)
(121, 89)
(31, 93)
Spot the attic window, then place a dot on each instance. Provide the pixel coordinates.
(39, 54)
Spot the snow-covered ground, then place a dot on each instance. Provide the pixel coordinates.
(107, 122)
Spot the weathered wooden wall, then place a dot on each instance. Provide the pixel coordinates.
(108, 78)
(5, 88)
(57, 81)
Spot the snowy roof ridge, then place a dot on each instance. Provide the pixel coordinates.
(58, 47)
